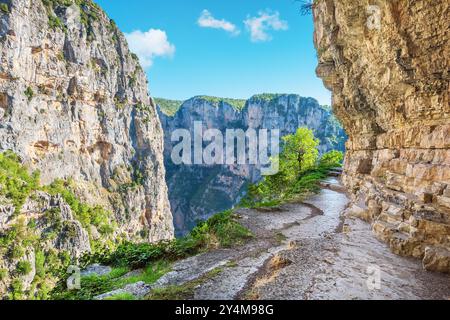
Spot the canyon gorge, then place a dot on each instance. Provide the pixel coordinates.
(198, 191)
(85, 163)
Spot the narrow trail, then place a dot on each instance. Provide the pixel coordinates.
(307, 250)
(319, 254)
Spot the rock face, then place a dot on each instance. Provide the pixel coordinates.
(387, 63)
(74, 105)
(197, 191)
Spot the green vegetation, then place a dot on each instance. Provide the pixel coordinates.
(266, 96)
(119, 103)
(168, 107)
(143, 108)
(39, 263)
(55, 23)
(94, 285)
(112, 27)
(300, 170)
(184, 291)
(146, 110)
(60, 56)
(23, 267)
(237, 104)
(221, 230)
(16, 289)
(89, 12)
(4, 8)
(331, 159)
(3, 274)
(16, 184)
(87, 215)
(122, 296)
(29, 93)
(132, 80)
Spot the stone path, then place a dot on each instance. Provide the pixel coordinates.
(308, 250)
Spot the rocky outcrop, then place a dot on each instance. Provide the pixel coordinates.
(77, 107)
(197, 191)
(387, 63)
(74, 105)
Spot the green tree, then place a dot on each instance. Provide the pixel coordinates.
(299, 154)
(300, 171)
(331, 159)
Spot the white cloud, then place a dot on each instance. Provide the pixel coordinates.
(265, 21)
(206, 20)
(150, 44)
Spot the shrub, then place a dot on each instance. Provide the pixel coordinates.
(15, 181)
(43, 291)
(54, 22)
(40, 264)
(3, 274)
(94, 285)
(332, 159)
(29, 93)
(17, 252)
(4, 8)
(16, 289)
(87, 215)
(220, 230)
(23, 267)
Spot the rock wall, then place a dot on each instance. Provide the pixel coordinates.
(387, 64)
(74, 104)
(198, 191)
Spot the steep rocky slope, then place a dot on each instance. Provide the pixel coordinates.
(74, 105)
(387, 63)
(197, 191)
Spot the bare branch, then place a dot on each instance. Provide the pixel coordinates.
(306, 6)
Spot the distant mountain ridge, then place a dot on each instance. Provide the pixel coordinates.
(169, 106)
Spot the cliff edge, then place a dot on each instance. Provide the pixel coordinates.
(74, 106)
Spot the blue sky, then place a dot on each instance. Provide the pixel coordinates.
(231, 48)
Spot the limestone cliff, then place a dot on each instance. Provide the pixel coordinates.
(74, 105)
(197, 191)
(387, 63)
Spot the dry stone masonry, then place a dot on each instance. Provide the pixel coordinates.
(387, 63)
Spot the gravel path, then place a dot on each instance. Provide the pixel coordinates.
(322, 255)
(308, 250)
